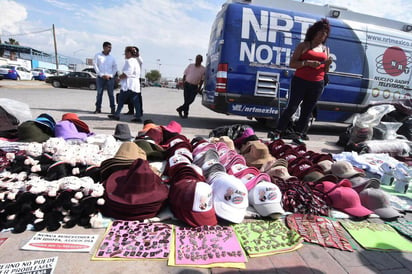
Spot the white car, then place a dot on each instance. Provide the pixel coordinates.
(41, 73)
(15, 72)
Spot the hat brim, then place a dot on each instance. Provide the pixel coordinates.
(358, 211)
(387, 212)
(201, 218)
(267, 209)
(80, 125)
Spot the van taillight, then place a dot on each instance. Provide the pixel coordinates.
(221, 78)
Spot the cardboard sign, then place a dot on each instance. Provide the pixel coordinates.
(44, 266)
(61, 242)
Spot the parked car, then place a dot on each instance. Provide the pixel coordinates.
(41, 73)
(92, 70)
(15, 72)
(79, 79)
(1, 77)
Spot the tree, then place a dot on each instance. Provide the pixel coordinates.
(12, 42)
(153, 75)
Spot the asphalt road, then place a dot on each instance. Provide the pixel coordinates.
(159, 105)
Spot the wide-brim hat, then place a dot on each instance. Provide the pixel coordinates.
(46, 121)
(68, 131)
(256, 153)
(127, 153)
(134, 194)
(344, 169)
(316, 176)
(122, 132)
(192, 202)
(379, 202)
(30, 131)
(153, 151)
(173, 127)
(74, 118)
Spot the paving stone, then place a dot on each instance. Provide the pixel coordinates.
(404, 258)
(361, 270)
(290, 262)
(316, 257)
(348, 259)
(381, 260)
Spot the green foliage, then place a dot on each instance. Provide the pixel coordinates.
(153, 76)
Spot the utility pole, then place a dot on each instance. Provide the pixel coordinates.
(55, 49)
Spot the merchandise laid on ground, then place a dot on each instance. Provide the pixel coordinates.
(217, 202)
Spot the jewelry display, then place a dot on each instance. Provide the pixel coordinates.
(261, 237)
(207, 245)
(135, 240)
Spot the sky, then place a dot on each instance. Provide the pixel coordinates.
(169, 33)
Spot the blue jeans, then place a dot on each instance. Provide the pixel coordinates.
(307, 92)
(101, 85)
(127, 96)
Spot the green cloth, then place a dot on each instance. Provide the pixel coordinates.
(375, 236)
(263, 237)
(404, 227)
(391, 190)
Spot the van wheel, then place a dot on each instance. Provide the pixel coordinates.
(92, 86)
(56, 84)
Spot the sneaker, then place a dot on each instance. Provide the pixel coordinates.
(298, 141)
(273, 135)
(180, 112)
(113, 117)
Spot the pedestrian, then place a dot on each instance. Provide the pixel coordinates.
(129, 84)
(106, 68)
(311, 59)
(193, 78)
(130, 104)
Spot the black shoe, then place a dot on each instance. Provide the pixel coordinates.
(112, 111)
(273, 135)
(97, 111)
(113, 117)
(180, 112)
(298, 141)
(129, 113)
(136, 120)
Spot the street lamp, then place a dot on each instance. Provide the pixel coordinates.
(158, 63)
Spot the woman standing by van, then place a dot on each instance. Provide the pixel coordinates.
(311, 60)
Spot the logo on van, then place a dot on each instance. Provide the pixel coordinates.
(393, 61)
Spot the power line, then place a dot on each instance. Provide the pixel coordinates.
(27, 33)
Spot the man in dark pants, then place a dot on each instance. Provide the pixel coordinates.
(193, 78)
(106, 68)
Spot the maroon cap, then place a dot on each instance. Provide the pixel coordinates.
(191, 201)
(343, 197)
(134, 194)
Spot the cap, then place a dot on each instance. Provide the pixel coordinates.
(266, 198)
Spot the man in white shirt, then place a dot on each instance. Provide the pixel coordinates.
(193, 78)
(106, 68)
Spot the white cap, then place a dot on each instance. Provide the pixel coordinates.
(266, 198)
(229, 197)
